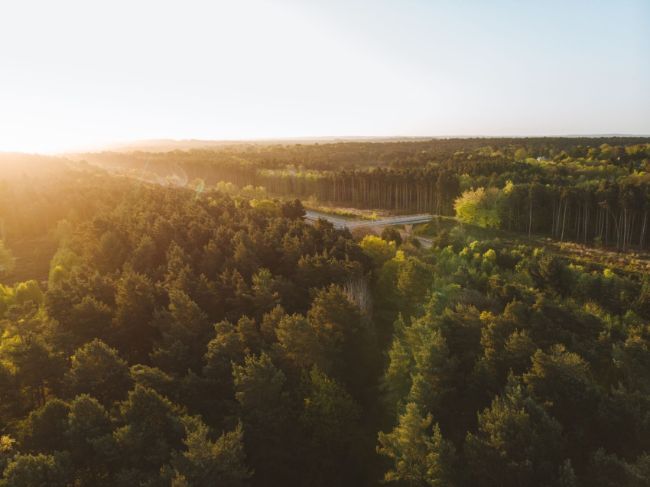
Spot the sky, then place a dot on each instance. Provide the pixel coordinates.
(80, 74)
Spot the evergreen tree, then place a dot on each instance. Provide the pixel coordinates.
(420, 454)
(205, 463)
(517, 443)
(98, 370)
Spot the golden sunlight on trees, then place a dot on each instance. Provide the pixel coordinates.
(212, 335)
(479, 207)
(7, 261)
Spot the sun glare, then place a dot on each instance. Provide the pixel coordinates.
(259, 243)
(81, 74)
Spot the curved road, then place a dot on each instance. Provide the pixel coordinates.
(341, 223)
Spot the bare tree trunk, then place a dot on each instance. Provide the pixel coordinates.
(563, 221)
(530, 215)
(643, 228)
(622, 240)
(553, 221)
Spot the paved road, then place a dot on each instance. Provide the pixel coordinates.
(339, 222)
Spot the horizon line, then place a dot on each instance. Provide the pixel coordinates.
(123, 145)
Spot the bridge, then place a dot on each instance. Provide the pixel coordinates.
(339, 222)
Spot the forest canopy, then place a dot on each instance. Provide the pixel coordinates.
(593, 191)
(187, 333)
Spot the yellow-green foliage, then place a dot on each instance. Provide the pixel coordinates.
(250, 191)
(21, 293)
(378, 249)
(268, 207)
(226, 187)
(27, 291)
(479, 207)
(490, 255)
(61, 265)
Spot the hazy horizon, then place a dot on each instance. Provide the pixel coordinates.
(80, 76)
(320, 243)
(154, 144)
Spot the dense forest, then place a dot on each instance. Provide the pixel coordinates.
(176, 335)
(589, 190)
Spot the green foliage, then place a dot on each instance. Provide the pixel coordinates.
(479, 207)
(193, 338)
(413, 283)
(330, 418)
(331, 434)
(62, 265)
(151, 431)
(609, 470)
(88, 319)
(88, 423)
(519, 314)
(45, 428)
(98, 370)
(293, 209)
(28, 292)
(260, 392)
(298, 341)
(345, 339)
(391, 234)
(35, 471)
(259, 388)
(378, 249)
(562, 380)
(420, 454)
(206, 462)
(31, 369)
(185, 332)
(517, 443)
(134, 301)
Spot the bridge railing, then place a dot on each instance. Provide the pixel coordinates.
(396, 220)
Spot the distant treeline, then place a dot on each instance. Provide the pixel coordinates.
(589, 190)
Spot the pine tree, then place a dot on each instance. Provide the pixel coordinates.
(206, 463)
(420, 455)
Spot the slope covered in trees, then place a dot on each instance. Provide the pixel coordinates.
(191, 338)
(514, 367)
